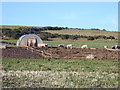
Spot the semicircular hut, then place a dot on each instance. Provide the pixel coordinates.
(30, 40)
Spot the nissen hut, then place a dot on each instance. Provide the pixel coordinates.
(30, 40)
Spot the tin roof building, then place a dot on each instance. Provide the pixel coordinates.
(31, 40)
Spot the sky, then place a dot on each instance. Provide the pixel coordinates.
(87, 15)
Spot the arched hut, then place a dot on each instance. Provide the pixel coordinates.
(30, 40)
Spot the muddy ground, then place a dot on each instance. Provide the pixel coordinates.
(60, 53)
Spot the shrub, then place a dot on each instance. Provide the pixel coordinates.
(46, 69)
(111, 37)
(90, 38)
(65, 36)
(74, 37)
(40, 65)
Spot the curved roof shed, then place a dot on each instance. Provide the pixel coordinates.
(29, 40)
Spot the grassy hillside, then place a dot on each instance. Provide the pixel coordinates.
(85, 32)
(15, 26)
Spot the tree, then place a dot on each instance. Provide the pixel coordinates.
(104, 29)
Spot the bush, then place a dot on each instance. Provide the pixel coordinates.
(40, 65)
(110, 37)
(65, 36)
(46, 69)
(74, 37)
(90, 38)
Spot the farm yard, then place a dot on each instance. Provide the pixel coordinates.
(60, 53)
(65, 68)
(57, 67)
(59, 45)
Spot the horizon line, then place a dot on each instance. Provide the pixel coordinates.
(64, 27)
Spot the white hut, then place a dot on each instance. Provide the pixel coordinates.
(31, 40)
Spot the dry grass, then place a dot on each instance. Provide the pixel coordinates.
(54, 79)
(85, 32)
(37, 73)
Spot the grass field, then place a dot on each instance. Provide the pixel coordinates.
(15, 26)
(77, 43)
(84, 32)
(60, 65)
(50, 73)
(13, 41)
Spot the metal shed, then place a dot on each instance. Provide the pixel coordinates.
(31, 40)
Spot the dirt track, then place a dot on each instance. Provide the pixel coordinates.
(59, 53)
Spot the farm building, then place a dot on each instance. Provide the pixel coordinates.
(31, 40)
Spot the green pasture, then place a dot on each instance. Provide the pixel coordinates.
(77, 43)
(13, 41)
(51, 73)
(60, 65)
